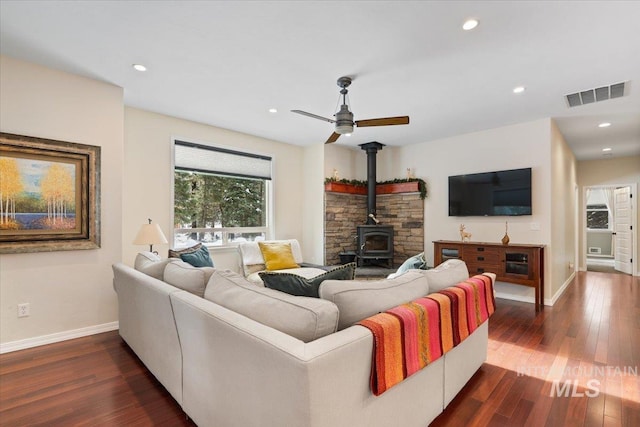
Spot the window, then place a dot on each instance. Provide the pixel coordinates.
(597, 217)
(221, 196)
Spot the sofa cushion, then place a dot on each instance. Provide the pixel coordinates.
(297, 285)
(187, 277)
(446, 274)
(151, 264)
(277, 255)
(359, 299)
(199, 258)
(304, 318)
(175, 253)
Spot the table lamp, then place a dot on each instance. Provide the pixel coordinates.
(150, 234)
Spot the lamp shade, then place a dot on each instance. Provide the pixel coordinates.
(150, 234)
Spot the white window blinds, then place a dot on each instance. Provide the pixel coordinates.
(193, 157)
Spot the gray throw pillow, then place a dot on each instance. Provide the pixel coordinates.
(299, 286)
(187, 277)
(151, 264)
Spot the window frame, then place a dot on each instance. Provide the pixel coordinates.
(269, 183)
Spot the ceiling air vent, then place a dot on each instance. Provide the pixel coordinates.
(596, 95)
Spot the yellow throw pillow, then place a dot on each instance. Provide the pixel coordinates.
(277, 256)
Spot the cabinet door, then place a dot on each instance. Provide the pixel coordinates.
(445, 251)
(518, 263)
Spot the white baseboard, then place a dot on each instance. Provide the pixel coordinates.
(547, 301)
(57, 337)
(561, 290)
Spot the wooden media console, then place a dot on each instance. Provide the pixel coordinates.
(518, 264)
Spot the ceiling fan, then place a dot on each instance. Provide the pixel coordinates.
(344, 118)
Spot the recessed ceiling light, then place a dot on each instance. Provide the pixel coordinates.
(273, 110)
(139, 67)
(470, 24)
(518, 89)
(606, 150)
(347, 134)
(604, 125)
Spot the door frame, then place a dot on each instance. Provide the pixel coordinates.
(635, 271)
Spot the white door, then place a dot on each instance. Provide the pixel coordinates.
(622, 229)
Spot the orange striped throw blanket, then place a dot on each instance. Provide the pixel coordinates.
(409, 337)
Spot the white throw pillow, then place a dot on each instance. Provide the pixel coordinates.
(449, 273)
(187, 277)
(359, 299)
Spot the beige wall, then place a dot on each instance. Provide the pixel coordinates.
(67, 290)
(313, 204)
(148, 177)
(511, 147)
(613, 171)
(350, 162)
(562, 198)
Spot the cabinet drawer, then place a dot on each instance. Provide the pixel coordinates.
(479, 268)
(482, 255)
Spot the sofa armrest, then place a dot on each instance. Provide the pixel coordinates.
(147, 324)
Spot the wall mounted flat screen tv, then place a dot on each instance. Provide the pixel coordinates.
(499, 193)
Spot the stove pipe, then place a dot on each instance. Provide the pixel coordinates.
(372, 149)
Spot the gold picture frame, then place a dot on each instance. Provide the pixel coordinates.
(49, 195)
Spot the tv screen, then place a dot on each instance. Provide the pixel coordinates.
(500, 193)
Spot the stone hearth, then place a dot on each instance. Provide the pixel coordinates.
(344, 212)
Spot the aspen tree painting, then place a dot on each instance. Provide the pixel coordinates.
(10, 187)
(36, 194)
(49, 195)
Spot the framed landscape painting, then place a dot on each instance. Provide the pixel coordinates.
(49, 195)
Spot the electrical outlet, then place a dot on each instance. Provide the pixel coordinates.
(24, 310)
(535, 226)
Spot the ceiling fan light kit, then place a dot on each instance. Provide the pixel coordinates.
(344, 122)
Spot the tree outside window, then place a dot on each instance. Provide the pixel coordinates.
(597, 217)
(214, 209)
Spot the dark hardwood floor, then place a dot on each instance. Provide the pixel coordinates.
(593, 329)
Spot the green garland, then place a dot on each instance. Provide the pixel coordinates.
(422, 185)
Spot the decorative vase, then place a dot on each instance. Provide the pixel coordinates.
(505, 239)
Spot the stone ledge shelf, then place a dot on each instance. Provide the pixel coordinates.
(393, 188)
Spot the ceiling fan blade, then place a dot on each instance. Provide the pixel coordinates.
(313, 116)
(333, 138)
(385, 121)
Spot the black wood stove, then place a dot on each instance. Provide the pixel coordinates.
(375, 242)
(375, 245)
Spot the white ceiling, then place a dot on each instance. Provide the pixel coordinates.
(226, 63)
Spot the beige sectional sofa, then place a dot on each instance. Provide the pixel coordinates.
(245, 355)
